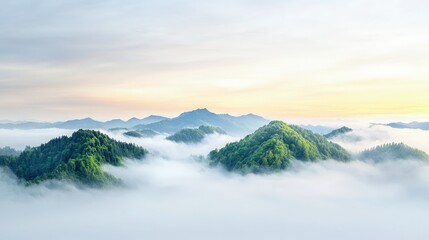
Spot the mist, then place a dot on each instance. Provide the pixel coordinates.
(20, 138)
(174, 194)
(367, 136)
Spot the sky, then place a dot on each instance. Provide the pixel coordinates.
(281, 59)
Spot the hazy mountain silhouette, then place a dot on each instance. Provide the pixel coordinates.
(85, 123)
(412, 125)
(240, 125)
(232, 125)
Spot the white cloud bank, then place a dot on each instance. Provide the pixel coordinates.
(171, 196)
(19, 139)
(364, 137)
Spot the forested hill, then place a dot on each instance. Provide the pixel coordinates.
(273, 147)
(78, 158)
(338, 132)
(194, 135)
(144, 133)
(393, 151)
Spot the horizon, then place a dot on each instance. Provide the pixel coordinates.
(332, 122)
(276, 59)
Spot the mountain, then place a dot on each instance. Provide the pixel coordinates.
(194, 135)
(148, 120)
(114, 123)
(393, 151)
(144, 133)
(232, 125)
(318, 128)
(78, 158)
(86, 123)
(240, 125)
(211, 130)
(412, 125)
(273, 147)
(338, 132)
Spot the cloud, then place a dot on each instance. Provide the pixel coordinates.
(365, 137)
(19, 139)
(172, 195)
(172, 150)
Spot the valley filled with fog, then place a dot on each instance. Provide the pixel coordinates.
(174, 194)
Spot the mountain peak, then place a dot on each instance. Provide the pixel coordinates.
(87, 119)
(199, 111)
(82, 164)
(273, 147)
(154, 116)
(251, 115)
(338, 132)
(115, 121)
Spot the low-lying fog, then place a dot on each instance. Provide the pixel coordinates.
(174, 195)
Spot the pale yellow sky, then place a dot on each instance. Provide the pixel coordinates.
(280, 59)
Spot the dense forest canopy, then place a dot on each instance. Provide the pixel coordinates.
(393, 151)
(5, 160)
(78, 158)
(273, 147)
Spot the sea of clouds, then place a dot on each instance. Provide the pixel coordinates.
(174, 194)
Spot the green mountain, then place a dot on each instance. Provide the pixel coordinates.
(211, 130)
(144, 133)
(393, 151)
(338, 132)
(273, 147)
(194, 135)
(78, 158)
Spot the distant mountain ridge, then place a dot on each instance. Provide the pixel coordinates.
(240, 125)
(85, 123)
(412, 125)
